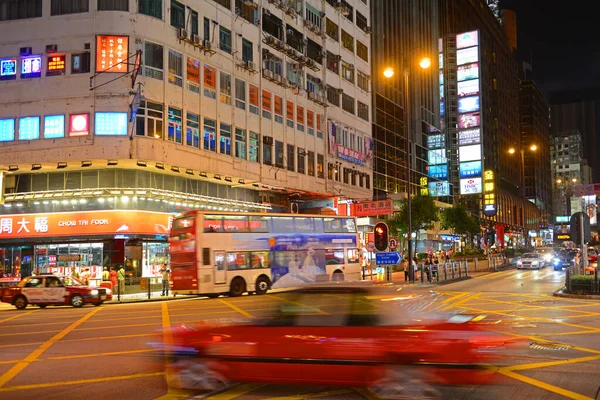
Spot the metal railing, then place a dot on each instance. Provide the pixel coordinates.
(449, 271)
(576, 282)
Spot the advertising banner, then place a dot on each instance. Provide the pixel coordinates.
(112, 53)
(468, 104)
(468, 71)
(372, 208)
(350, 155)
(467, 56)
(467, 39)
(469, 136)
(470, 186)
(470, 169)
(468, 88)
(438, 189)
(469, 120)
(469, 153)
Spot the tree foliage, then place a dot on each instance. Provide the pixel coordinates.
(460, 221)
(424, 215)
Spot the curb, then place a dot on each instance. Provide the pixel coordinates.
(559, 293)
(184, 297)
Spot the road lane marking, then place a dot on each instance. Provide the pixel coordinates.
(551, 363)
(111, 337)
(236, 308)
(107, 354)
(368, 394)
(236, 392)
(3, 346)
(30, 333)
(313, 395)
(303, 305)
(79, 382)
(16, 369)
(22, 314)
(461, 301)
(543, 385)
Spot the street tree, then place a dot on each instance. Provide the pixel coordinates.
(459, 220)
(424, 214)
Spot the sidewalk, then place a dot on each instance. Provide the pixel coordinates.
(141, 297)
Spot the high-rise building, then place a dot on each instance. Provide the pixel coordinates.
(238, 105)
(569, 169)
(579, 110)
(534, 117)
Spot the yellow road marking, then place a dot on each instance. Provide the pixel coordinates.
(314, 395)
(29, 333)
(22, 314)
(20, 344)
(551, 363)
(368, 394)
(94, 328)
(16, 369)
(461, 301)
(79, 382)
(302, 305)
(235, 392)
(111, 337)
(236, 308)
(543, 385)
(111, 353)
(70, 321)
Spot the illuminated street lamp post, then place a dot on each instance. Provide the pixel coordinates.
(512, 150)
(388, 73)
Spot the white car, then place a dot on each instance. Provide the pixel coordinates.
(530, 261)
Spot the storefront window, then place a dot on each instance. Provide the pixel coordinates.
(155, 255)
(69, 259)
(15, 262)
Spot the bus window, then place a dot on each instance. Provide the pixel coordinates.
(237, 261)
(304, 225)
(213, 223)
(259, 259)
(349, 225)
(353, 256)
(236, 223)
(283, 225)
(333, 225)
(259, 224)
(319, 225)
(334, 257)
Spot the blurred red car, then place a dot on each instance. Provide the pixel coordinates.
(338, 335)
(51, 290)
(592, 256)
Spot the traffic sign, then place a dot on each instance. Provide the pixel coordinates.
(370, 247)
(387, 258)
(393, 244)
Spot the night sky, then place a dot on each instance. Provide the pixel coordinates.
(562, 41)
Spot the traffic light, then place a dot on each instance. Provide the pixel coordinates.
(491, 237)
(381, 236)
(576, 228)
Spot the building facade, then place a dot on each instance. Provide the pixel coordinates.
(568, 167)
(238, 105)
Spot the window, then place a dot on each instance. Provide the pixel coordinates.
(347, 41)
(80, 63)
(314, 51)
(193, 75)
(225, 39)
(62, 7)
(174, 132)
(12, 10)
(225, 88)
(291, 157)
(361, 21)
(240, 143)
(332, 30)
(310, 122)
(347, 103)
(210, 134)
(294, 74)
(247, 11)
(253, 147)
(300, 118)
(268, 150)
(278, 109)
(348, 11)
(175, 68)
(311, 163)
(206, 29)
(192, 125)
(153, 8)
(333, 62)
(320, 166)
(194, 22)
(290, 114)
(301, 160)
(320, 124)
(266, 104)
(363, 111)
(363, 81)
(224, 3)
(362, 51)
(271, 24)
(225, 139)
(240, 94)
(247, 52)
(253, 91)
(279, 154)
(348, 71)
(333, 95)
(153, 60)
(314, 16)
(313, 84)
(177, 14)
(149, 120)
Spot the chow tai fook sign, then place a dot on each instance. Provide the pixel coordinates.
(113, 222)
(112, 53)
(372, 208)
(350, 155)
(489, 193)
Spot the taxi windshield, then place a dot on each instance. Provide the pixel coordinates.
(71, 281)
(530, 255)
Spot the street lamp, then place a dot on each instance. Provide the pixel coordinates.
(388, 73)
(511, 151)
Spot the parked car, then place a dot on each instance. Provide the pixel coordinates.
(564, 259)
(51, 290)
(338, 335)
(530, 261)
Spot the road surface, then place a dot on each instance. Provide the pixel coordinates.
(102, 353)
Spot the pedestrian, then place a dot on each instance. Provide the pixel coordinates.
(112, 276)
(121, 278)
(85, 276)
(406, 271)
(105, 274)
(165, 272)
(428, 264)
(415, 266)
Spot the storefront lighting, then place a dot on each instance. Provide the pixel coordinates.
(228, 179)
(37, 203)
(142, 164)
(142, 198)
(160, 165)
(217, 176)
(82, 201)
(111, 199)
(202, 174)
(45, 202)
(175, 169)
(13, 168)
(7, 205)
(112, 163)
(73, 201)
(19, 204)
(65, 202)
(125, 199)
(36, 167)
(101, 200)
(86, 163)
(61, 165)
(189, 171)
(178, 204)
(55, 202)
(115, 192)
(78, 194)
(171, 203)
(134, 198)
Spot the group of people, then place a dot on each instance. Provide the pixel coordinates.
(432, 261)
(117, 278)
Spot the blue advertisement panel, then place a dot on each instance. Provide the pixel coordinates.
(7, 130)
(439, 189)
(54, 126)
(468, 104)
(111, 124)
(470, 169)
(8, 69)
(31, 67)
(29, 128)
(438, 171)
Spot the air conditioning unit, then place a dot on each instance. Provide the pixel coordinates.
(368, 30)
(278, 79)
(267, 73)
(268, 140)
(197, 40)
(249, 65)
(294, 208)
(207, 44)
(271, 41)
(292, 11)
(308, 24)
(182, 34)
(249, 3)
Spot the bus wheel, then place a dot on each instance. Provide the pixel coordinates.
(338, 276)
(237, 288)
(262, 285)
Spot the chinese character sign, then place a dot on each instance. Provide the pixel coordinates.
(112, 53)
(371, 208)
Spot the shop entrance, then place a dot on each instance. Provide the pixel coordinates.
(74, 259)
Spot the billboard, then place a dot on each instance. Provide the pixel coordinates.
(591, 208)
(470, 169)
(469, 136)
(470, 186)
(438, 189)
(112, 53)
(468, 104)
(467, 56)
(437, 156)
(468, 71)
(467, 39)
(469, 120)
(438, 171)
(469, 153)
(468, 88)
(436, 141)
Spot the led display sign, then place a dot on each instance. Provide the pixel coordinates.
(469, 136)
(31, 67)
(437, 156)
(8, 69)
(467, 56)
(469, 153)
(489, 190)
(54, 126)
(438, 189)
(79, 124)
(470, 186)
(470, 169)
(110, 124)
(56, 65)
(469, 120)
(563, 218)
(468, 88)
(29, 128)
(436, 141)
(7, 130)
(468, 104)
(467, 39)
(438, 171)
(112, 53)
(468, 71)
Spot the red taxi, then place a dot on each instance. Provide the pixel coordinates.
(51, 290)
(338, 335)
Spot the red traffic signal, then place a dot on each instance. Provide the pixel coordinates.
(381, 236)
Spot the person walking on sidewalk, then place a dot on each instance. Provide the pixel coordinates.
(121, 277)
(112, 276)
(105, 274)
(165, 272)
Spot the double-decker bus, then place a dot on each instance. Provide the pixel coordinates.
(214, 253)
